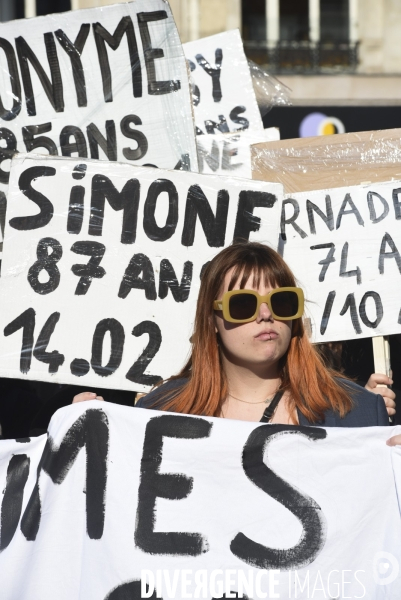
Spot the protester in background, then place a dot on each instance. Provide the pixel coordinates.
(358, 364)
(379, 384)
(332, 353)
(251, 358)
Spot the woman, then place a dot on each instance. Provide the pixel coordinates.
(251, 358)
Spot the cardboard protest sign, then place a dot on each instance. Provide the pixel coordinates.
(230, 153)
(344, 246)
(102, 282)
(328, 161)
(280, 514)
(108, 83)
(222, 89)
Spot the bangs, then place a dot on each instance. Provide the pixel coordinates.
(269, 274)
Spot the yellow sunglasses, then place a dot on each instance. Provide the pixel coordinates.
(242, 306)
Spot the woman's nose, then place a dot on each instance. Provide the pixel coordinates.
(264, 313)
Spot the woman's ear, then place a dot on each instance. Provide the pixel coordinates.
(215, 320)
(215, 323)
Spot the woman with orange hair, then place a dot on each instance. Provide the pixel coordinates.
(251, 358)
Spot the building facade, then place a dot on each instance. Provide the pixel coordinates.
(327, 51)
(341, 52)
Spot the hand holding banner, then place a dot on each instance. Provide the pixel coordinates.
(270, 518)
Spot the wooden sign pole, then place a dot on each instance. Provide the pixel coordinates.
(381, 355)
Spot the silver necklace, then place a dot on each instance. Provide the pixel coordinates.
(247, 402)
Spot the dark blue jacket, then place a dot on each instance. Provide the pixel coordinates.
(368, 409)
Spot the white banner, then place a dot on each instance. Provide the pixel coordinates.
(222, 88)
(108, 83)
(102, 262)
(230, 153)
(344, 245)
(197, 507)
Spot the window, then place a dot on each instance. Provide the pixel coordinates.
(15, 9)
(334, 20)
(254, 20)
(45, 7)
(294, 20)
(300, 35)
(11, 9)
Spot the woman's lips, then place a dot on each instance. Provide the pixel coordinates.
(266, 335)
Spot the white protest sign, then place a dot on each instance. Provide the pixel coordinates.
(107, 83)
(222, 88)
(198, 507)
(344, 246)
(101, 285)
(230, 153)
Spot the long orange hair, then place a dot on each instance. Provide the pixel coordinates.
(312, 387)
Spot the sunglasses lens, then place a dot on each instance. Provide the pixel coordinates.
(285, 304)
(242, 306)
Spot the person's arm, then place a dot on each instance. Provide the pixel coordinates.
(377, 384)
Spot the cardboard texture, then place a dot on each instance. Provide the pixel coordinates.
(222, 89)
(343, 245)
(114, 257)
(317, 163)
(108, 83)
